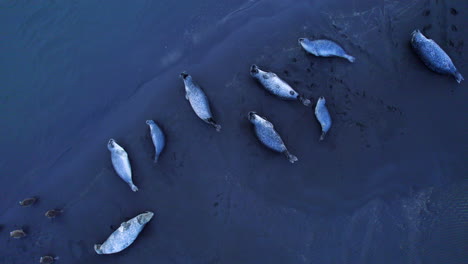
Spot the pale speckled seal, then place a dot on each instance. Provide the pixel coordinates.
(121, 163)
(324, 48)
(158, 138)
(323, 117)
(276, 86)
(266, 133)
(433, 55)
(198, 100)
(124, 236)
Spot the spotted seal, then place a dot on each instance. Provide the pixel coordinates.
(276, 86)
(158, 138)
(323, 116)
(324, 48)
(434, 56)
(125, 235)
(121, 163)
(266, 133)
(198, 100)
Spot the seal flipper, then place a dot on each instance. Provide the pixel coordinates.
(458, 76)
(213, 123)
(322, 137)
(349, 57)
(133, 186)
(290, 156)
(304, 100)
(97, 248)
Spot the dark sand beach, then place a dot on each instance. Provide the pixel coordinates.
(388, 184)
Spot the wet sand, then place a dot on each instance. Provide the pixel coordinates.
(388, 185)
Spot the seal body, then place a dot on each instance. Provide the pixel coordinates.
(198, 100)
(323, 116)
(121, 163)
(276, 86)
(124, 236)
(324, 48)
(17, 233)
(433, 55)
(48, 259)
(158, 138)
(266, 133)
(28, 201)
(53, 213)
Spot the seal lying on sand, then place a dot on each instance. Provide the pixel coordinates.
(322, 115)
(158, 138)
(121, 163)
(124, 235)
(324, 48)
(267, 134)
(198, 100)
(433, 55)
(273, 84)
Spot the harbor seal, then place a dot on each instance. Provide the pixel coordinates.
(28, 201)
(276, 86)
(433, 56)
(158, 138)
(17, 233)
(48, 259)
(324, 48)
(124, 236)
(323, 117)
(198, 100)
(266, 133)
(121, 163)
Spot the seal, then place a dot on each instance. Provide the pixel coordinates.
(433, 56)
(198, 100)
(53, 213)
(121, 163)
(323, 117)
(276, 86)
(17, 233)
(28, 201)
(324, 48)
(158, 138)
(124, 236)
(266, 133)
(48, 259)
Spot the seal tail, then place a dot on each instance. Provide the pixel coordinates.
(56, 258)
(290, 156)
(322, 137)
(458, 77)
(304, 100)
(349, 57)
(134, 188)
(156, 158)
(97, 248)
(213, 123)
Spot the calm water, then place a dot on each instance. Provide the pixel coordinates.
(389, 184)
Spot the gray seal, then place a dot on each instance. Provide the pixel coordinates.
(323, 117)
(158, 138)
(48, 259)
(125, 235)
(433, 55)
(273, 84)
(267, 134)
(198, 100)
(324, 48)
(121, 163)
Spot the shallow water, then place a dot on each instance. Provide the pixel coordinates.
(388, 185)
